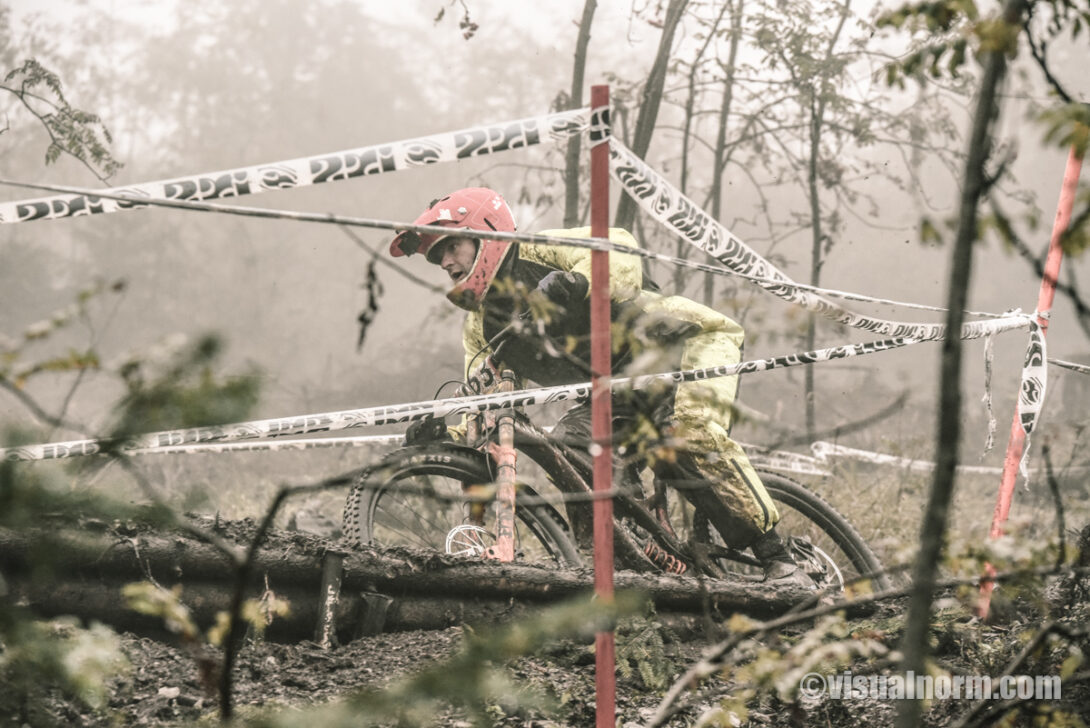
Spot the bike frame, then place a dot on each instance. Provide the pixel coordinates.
(661, 551)
(565, 474)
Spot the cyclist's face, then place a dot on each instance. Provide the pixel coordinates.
(455, 255)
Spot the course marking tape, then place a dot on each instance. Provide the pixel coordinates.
(666, 204)
(306, 171)
(403, 413)
(661, 200)
(825, 452)
(537, 239)
(269, 445)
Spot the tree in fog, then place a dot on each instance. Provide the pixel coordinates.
(786, 124)
(952, 37)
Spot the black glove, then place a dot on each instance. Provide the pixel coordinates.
(564, 288)
(429, 429)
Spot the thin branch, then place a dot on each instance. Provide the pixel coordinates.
(1082, 309)
(233, 641)
(83, 370)
(1040, 56)
(711, 661)
(21, 95)
(37, 410)
(575, 100)
(1016, 663)
(399, 269)
(914, 641)
(1054, 488)
(840, 430)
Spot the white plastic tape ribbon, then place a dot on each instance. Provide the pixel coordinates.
(410, 412)
(1080, 368)
(330, 167)
(1031, 397)
(989, 358)
(1034, 379)
(599, 126)
(666, 204)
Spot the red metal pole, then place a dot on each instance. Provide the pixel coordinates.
(1017, 442)
(600, 402)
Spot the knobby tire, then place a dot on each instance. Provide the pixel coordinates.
(542, 522)
(809, 504)
(542, 531)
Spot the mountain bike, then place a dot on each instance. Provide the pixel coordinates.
(459, 498)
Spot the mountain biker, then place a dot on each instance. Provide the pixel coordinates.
(496, 281)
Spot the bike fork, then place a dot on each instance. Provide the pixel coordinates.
(503, 452)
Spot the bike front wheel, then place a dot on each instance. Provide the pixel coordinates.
(416, 497)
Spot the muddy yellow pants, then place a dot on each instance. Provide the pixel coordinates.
(683, 427)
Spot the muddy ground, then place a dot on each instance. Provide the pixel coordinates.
(164, 685)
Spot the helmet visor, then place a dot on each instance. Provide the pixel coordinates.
(407, 242)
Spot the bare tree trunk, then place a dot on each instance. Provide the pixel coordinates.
(721, 134)
(683, 246)
(817, 119)
(649, 106)
(914, 644)
(575, 100)
(816, 113)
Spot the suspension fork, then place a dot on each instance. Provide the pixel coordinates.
(478, 494)
(503, 453)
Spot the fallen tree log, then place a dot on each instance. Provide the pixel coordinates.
(377, 590)
(356, 614)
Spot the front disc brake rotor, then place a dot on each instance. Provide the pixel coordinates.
(468, 540)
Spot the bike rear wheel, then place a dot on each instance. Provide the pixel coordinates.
(415, 497)
(822, 541)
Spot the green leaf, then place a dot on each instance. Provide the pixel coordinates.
(929, 233)
(957, 57)
(1068, 126)
(71, 131)
(1071, 664)
(154, 600)
(182, 392)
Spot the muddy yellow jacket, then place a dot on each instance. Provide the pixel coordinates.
(647, 327)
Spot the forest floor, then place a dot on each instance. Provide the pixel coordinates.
(163, 684)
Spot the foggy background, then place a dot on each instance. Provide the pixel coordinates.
(203, 86)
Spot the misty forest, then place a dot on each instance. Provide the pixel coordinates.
(240, 479)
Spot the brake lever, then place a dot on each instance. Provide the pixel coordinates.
(500, 340)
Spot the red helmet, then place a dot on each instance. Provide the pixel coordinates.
(474, 208)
